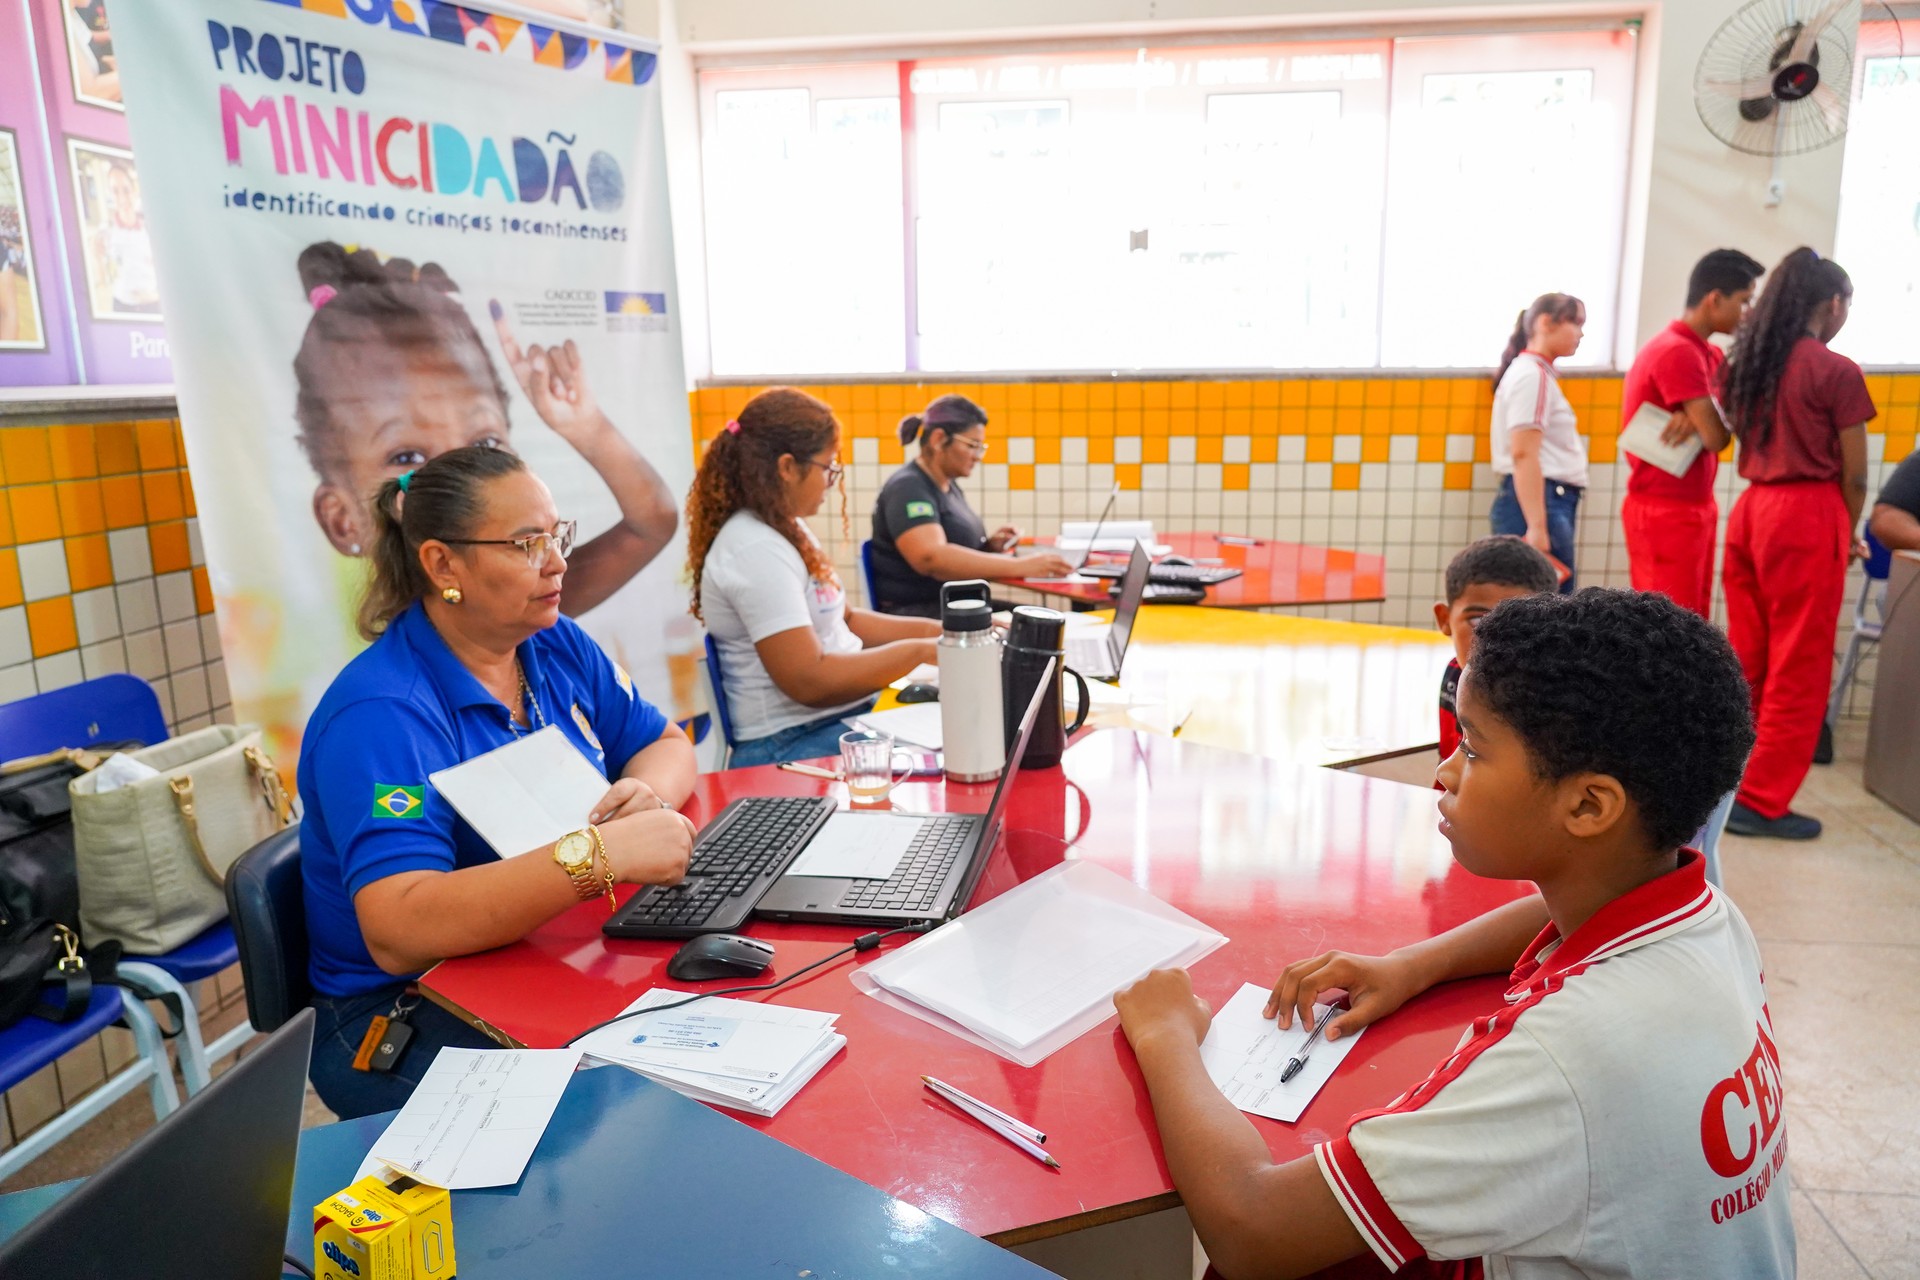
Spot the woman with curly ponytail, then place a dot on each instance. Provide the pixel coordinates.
(1800, 413)
(794, 658)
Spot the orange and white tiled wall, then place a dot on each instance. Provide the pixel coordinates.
(101, 568)
(1394, 465)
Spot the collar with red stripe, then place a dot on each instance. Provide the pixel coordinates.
(1673, 901)
(1544, 364)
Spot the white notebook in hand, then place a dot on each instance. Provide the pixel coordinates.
(1643, 438)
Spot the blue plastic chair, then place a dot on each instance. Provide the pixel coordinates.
(267, 902)
(866, 572)
(119, 708)
(717, 692)
(1866, 629)
(33, 1044)
(1708, 841)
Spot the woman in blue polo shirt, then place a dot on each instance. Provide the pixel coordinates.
(469, 653)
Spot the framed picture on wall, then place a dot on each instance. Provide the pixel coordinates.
(121, 284)
(22, 325)
(96, 73)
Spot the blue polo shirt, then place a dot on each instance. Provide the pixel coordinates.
(407, 708)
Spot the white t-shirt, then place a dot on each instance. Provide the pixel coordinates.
(754, 585)
(1529, 397)
(1621, 1117)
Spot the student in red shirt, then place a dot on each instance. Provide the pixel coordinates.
(1800, 413)
(1671, 521)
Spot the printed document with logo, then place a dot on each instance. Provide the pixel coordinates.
(475, 1117)
(1643, 438)
(525, 795)
(1245, 1054)
(731, 1053)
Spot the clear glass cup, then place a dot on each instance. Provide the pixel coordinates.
(867, 760)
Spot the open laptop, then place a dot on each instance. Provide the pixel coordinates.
(935, 877)
(205, 1192)
(1093, 539)
(1098, 656)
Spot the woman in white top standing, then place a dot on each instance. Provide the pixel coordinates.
(1537, 449)
(794, 659)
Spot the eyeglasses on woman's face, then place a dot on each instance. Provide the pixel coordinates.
(535, 546)
(834, 470)
(972, 444)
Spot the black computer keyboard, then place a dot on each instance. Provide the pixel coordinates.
(1177, 575)
(735, 861)
(1166, 593)
(915, 883)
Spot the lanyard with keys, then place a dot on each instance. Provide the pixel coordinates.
(388, 1035)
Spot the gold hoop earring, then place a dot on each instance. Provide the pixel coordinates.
(452, 595)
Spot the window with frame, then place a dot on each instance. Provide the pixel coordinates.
(1878, 238)
(1282, 205)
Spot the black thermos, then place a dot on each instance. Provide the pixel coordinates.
(1036, 636)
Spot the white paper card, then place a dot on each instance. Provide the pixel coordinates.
(475, 1117)
(1642, 438)
(1245, 1054)
(525, 795)
(915, 725)
(861, 846)
(925, 673)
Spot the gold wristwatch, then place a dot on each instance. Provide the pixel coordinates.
(574, 852)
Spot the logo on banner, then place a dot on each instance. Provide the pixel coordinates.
(636, 312)
(390, 801)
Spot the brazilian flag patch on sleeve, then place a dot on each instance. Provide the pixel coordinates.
(920, 510)
(392, 801)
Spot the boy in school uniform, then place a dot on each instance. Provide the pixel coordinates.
(1671, 521)
(1619, 1113)
(1486, 572)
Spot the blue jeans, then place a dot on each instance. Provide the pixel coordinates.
(342, 1024)
(1563, 504)
(802, 742)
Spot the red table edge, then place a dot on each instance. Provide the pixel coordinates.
(1096, 593)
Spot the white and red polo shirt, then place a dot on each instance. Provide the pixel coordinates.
(1529, 398)
(1621, 1117)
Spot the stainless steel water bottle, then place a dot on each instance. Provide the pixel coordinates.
(973, 740)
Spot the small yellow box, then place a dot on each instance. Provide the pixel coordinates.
(376, 1231)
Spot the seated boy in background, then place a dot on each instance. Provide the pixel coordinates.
(1620, 1113)
(1480, 577)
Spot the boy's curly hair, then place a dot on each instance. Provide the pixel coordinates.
(1503, 560)
(1625, 683)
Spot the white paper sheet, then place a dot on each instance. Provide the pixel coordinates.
(525, 795)
(915, 725)
(1038, 966)
(1245, 1054)
(475, 1117)
(1641, 437)
(861, 846)
(925, 673)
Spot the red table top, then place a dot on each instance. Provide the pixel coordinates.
(1273, 573)
(1286, 861)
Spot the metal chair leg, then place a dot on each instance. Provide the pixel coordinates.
(151, 1048)
(196, 1056)
(1856, 644)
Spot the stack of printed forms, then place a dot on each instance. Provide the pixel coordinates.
(730, 1053)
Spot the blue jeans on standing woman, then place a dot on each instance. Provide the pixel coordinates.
(1563, 504)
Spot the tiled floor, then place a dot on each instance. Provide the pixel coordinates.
(1837, 924)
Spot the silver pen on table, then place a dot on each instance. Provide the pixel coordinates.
(1299, 1059)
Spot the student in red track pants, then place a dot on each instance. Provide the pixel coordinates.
(1671, 521)
(1800, 413)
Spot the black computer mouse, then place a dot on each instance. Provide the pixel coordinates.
(720, 955)
(920, 693)
(1173, 560)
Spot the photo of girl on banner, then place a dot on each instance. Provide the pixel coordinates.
(96, 73)
(392, 372)
(21, 326)
(121, 284)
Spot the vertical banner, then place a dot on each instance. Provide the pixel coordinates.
(385, 229)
